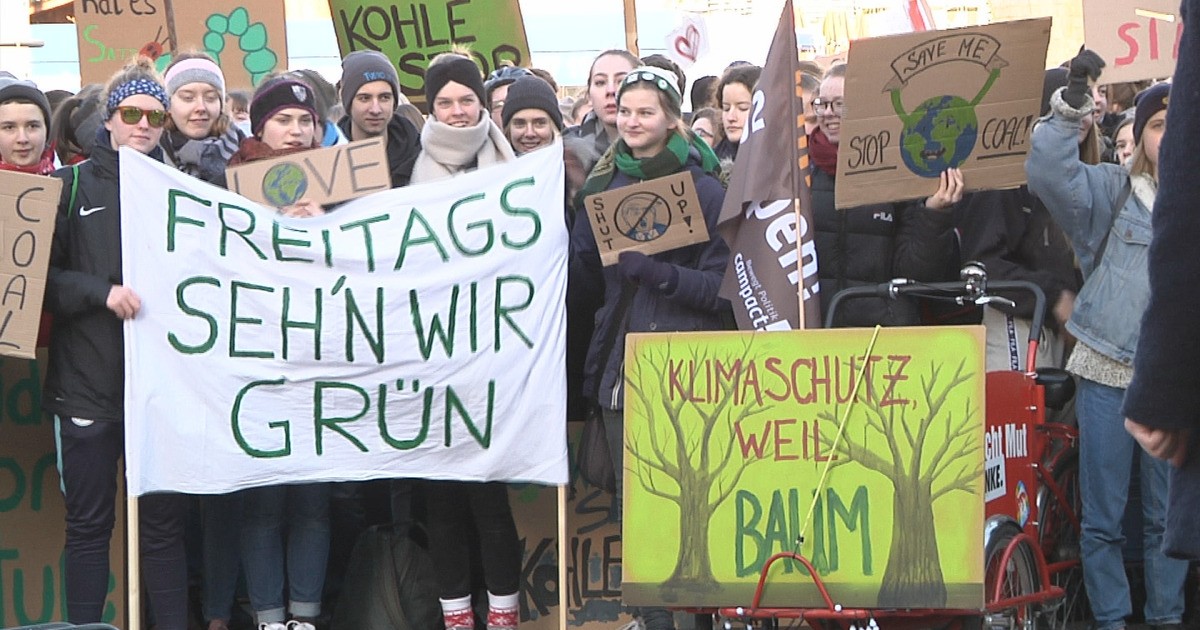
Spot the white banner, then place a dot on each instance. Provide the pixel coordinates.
(417, 332)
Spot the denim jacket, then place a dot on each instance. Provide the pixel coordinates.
(1082, 199)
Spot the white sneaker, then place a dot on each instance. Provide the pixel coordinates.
(299, 625)
(272, 626)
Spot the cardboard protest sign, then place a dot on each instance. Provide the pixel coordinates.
(654, 216)
(415, 332)
(728, 436)
(689, 41)
(1138, 40)
(32, 583)
(920, 103)
(412, 32)
(247, 39)
(28, 205)
(325, 176)
(593, 553)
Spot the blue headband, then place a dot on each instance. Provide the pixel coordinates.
(134, 87)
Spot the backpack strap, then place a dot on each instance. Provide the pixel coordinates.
(74, 187)
(1125, 192)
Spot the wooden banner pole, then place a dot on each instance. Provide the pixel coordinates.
(133, 579)
(631, 32)
(564, 547)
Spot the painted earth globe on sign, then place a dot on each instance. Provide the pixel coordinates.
(284, 184)
(939, 134)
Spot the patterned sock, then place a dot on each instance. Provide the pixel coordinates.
(457, 613)
(502, 612)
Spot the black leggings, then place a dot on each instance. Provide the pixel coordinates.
(459, 511)
(88, 456)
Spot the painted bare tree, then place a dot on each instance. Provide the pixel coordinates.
(684, 452)
(920, 470)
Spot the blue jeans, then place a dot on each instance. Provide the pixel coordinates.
(301, 513)
(1105, 453)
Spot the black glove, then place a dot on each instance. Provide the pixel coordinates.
(1085, 68)
(644, 270)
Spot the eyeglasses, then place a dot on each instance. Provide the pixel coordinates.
(837, 105)
(133, 115)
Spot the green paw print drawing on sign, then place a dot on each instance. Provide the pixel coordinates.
(259, 60)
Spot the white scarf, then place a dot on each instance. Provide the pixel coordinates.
(447, 151)
(1144, 188)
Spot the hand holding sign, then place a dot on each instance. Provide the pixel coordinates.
(1085, 68)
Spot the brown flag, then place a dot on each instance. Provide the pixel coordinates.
(767, 216)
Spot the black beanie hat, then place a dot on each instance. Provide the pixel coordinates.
(364, 66)
(13, 88)
(531, 92)
(278, 95)
(457, 69)
(1147, 103)
(1054, 79)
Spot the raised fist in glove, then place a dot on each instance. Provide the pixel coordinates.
(1085, 69)
(646, 271)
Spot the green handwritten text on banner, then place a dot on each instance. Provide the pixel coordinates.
(412, 33)
(415, 332)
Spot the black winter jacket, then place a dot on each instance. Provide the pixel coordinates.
(875, 243)
(86, 375)
(692, 306)
(403, 145)
(1012, 233)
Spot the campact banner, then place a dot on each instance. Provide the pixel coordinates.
(416, 332)
(733, 453)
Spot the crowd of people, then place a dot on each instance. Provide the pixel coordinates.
(1093, 174)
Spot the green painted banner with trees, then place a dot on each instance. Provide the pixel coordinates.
(733, 454)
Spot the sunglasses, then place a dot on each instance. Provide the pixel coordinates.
(133, 115)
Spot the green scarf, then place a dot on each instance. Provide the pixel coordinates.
(670, 161)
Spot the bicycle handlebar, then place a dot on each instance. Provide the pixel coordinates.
(973, 289)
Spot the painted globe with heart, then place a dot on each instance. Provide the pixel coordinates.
(284, 184)
(939, 134)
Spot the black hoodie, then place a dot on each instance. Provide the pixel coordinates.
(403, 145)
(86, 375)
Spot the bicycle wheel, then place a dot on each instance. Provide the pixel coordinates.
(1016, 577)
(1060, 543)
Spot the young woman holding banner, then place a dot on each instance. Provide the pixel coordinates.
(85, 381)
(458, 137)
(283, 118)
(669, 291)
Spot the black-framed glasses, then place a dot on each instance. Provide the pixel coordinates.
(133, 115)
(837, 105)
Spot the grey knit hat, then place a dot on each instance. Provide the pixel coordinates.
(531, 92)
(13, 88)
(364, 66)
